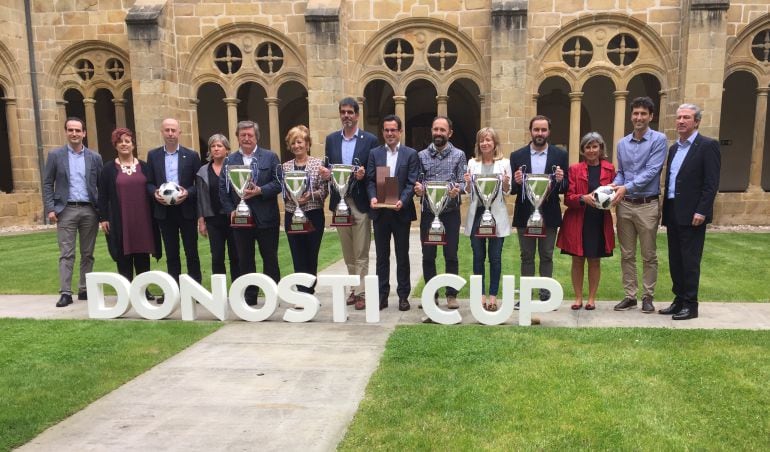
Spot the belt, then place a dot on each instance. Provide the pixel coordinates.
(78, 203)
(644, 200)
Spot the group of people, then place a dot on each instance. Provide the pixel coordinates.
(122, 199)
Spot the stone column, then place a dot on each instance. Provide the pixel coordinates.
(441, 102)
(618, 131)
(662, 111)
(401, 112)
(232, 120)
(757, 151)
(194, 132)
(362, 112)
(61, 110)
(91, 131)
(17, 170)
(273, 119)
(574, 126)
(484, 119)
(120, 112)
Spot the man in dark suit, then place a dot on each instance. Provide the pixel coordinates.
(351, 146)
(538, 157)
(70, 182)
(692, 181)
(403, 164)
(174, 163)
(262, 198)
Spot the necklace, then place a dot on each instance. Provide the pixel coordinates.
(127, 169)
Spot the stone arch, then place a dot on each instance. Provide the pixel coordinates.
(9, 72)
(379, 94)
(739, 56)
(736, 130)
(100, 52)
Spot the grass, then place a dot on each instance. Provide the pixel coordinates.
(474, 387)
(30, 263)
(728, 270)
(53, 368)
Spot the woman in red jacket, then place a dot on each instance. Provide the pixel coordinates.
(586, 232)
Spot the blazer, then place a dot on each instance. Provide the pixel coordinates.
(364, 143)
(202, 188)
(551, 208)
(264, 169)
(571, 233)
(696, 183)
(189, 164)
(56, 178)
(407, 166)
(499, 209)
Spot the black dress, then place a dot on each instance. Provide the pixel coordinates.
(593, 222)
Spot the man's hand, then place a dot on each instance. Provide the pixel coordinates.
(52, 217)
(418, 190)
(159, 198)
(251, 191)
(620, 193)
(698, 219)
(558, 174)
(360, 173)
(373, 203)
(454, 191)
(399, 205)
(518, 176)
(183, 194)
(105, 226)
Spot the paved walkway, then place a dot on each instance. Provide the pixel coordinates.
(281, 386)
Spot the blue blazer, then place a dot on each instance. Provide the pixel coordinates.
(551, 208)
(364, 143)
(264, 168)
(189, 163)
(56, 178)
(407, 167)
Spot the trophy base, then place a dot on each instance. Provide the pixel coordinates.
(381, 205)
(341, 220)
(534, 231)
(242, 222)
(486, 232)
(300, 228)
(435, 239)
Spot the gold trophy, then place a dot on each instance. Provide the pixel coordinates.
(240, 178)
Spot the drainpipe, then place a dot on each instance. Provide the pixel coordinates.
(35, 97)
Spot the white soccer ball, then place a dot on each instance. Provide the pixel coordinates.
(170, 192)
(603, 197)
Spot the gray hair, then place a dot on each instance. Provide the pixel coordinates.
(591, 137)
(222, 139)
(698, 111)
(248, 125)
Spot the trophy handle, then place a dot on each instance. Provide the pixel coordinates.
(523, 169)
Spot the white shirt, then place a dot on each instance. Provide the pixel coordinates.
(538, 160)
(391, 159)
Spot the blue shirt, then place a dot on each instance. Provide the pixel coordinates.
(78, 185)
(676, 163)
(349, 148)
(538, 160)
(172, 165)
(640, 163)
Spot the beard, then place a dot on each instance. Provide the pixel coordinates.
(439, 140)
(539, 141)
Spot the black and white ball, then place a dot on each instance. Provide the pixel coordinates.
(170, 192)
(603, 197)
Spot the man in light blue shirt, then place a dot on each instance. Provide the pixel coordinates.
(637, 189)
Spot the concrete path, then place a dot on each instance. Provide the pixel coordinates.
(281, 386)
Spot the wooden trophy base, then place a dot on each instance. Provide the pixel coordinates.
(300, 228)
(486, 232)
(534, 231)
(434, 239)
(244, 222)
(341, 220)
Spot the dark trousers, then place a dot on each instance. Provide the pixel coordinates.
(171, 228)
(127, 263)
(543, 246)
(305, 247)
(388, 224)
(267, 241)
(451, 222)
(221, 236)
(685, 250)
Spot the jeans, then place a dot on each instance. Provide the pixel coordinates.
(492, 247)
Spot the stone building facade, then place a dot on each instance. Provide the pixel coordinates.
(496, 63)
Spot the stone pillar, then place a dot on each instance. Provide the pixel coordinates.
(273, 119)
(401, 112)
(61, 110)
(574, 126)
(441, 103)
(618, 131)
(91, 131)
(484, 120)
(757, 151)
(17, 170)
(362, 123)
(120, 112)
(194, 132)
(232, 120)
(663, 118)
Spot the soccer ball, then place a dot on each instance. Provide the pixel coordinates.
(170, 191)
(603, 197)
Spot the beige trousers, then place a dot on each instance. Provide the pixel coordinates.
(638, 221)
(355, 241)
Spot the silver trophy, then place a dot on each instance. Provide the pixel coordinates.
(537, 187)
(240, 178)
(296, 183)
(436, 197)
(487, 188)
(341, 177)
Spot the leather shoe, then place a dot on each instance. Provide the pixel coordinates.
(674, 308)
(64, 300)
(361, 303)
(160, 299)
(83, 295)
(403, 304)
(351, 299)
(383, 302)
(686, 314)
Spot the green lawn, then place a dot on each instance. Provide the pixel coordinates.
(728, 271)
(53, 368)
(30, 263)
(502, 388)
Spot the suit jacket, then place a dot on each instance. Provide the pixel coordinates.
(696, 183)
(264, 167)
(407, 166)
(550, 209)
(56, 178)
(364, 143)
(189, 163)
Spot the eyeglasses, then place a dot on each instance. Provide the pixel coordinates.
(347, 112)
(390, 130)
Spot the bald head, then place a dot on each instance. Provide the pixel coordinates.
(170, 130)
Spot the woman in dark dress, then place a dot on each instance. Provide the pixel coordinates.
(586, 232)
(124, 209)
